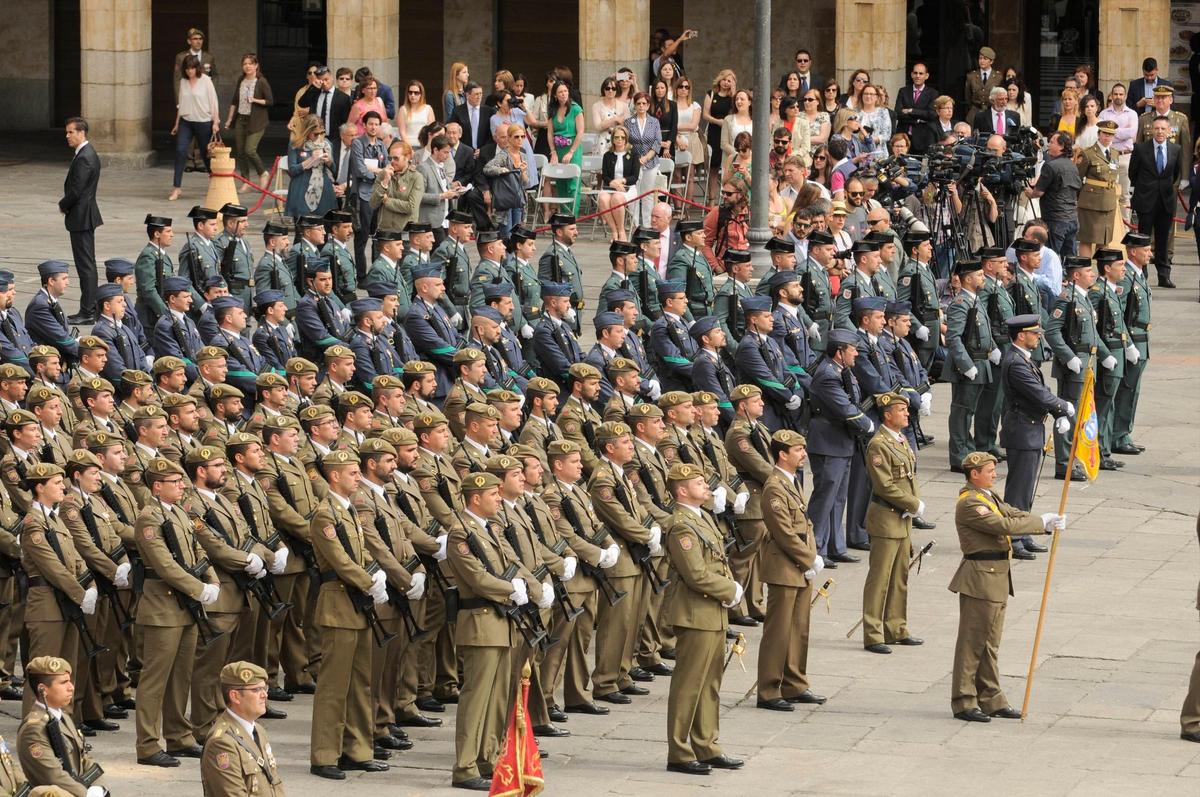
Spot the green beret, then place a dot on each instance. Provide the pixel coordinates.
(387, 382)
(428, 420)
(674, 398)
(39, 395)
(621, 365)
(744, 392)
(224, 391)
(339, 459)
(338, 352)
(612, 430)
(399, 436)
(173, 400)
(502, 463)
(561, 448)
(583, 371)
(503, 397)
(162, 468)
(417, 367)
(132, 376)
(268, 380)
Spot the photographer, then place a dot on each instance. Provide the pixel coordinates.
(1058, 187)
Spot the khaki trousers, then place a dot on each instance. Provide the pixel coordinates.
(341, 718)
(162, 694)
(482, 709)
(566, 663)
(885, 591)
(976, 677)
(744, 565)
(783, 652)
(616, 633)
(694, 702)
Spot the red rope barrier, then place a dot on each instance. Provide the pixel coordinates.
(638, 198)
(264, 192)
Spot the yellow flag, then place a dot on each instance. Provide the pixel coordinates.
(1087, 429)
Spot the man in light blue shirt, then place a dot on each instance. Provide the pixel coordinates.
(1049, 275)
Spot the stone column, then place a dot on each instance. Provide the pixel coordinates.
(1131, 30)
(612, 34)
(871, 36)
(365, 33)
(115, 66)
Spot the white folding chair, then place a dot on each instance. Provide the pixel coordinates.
(590, 140)
(683, 161)
(556, 171)
(589, 187)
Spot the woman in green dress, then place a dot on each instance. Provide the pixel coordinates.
(566, 121)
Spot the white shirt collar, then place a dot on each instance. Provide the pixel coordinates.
(247, 726)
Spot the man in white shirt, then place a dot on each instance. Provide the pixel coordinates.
(1127, 128)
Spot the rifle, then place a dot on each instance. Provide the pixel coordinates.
(532, 615)
(363, 603)
(227, 260)
(569, 610)
(262, 589)
(736, 539)
(71, 611)
(534, 635)
(641, 556)
(159, 273)
(302, 547)
(431, 565)
(301, 265)
(54, 736)
(611, 593)
(403, 605)
(243, 502)
(193, 607)
(103, 585)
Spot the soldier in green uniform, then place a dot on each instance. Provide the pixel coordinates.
(558, 264)
(918, 287)
(817, 307)
(1135, 307)
(238, 760)
(622, 257)
(51, 749)
(490, 248)
(418, 252)
(644, 277)
(697, 599)
(200, 259)
(790, 564)
(783, 258)
(452, 255)
(1105, 295)
(983, 582)
(970, 354)
(889, 249)
(1072, 336)
(388, 268)
(727, 306)
(994, 299)
(1026, 297)
(237, 266)
(339, 228)
(342, 724)
(1098, 167)
(522, 273)
(690, 267)
(153, 265)
(305, 252)
(274, 269)
(857, 284)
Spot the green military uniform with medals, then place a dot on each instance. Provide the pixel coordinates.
(151, 267)
(1111, 328)
(727, 308)
(1135, 308)
(855, 285)
(969, 343)
(690, 267)
(237, 763)
(918, 287)
(996, 300)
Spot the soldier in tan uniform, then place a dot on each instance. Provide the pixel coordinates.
(420, 383)
(48, 407)
(25, 442)
(339, 370)
(790, 564)
(697, 598)
(47, 372)
(626, 380)
(11, 779)
(387, 391)
(748, 448)
(480, 422)
(341, 720)
(540, 430)
(93, 356)
(150, 424)
(225, 403)
(895, 501)
(508, 405)
(1098, 169)
(271, 399)
(97, 397)
(170, 376)
(183, 419)
(212, 365)
(471, 365)
(353, 412)
(12, 610)
(170, 551)
(238, 760)
(578, 419)
(1189, 716)
(983, 582)
(51, 749)
(486, 638)
(302, 383)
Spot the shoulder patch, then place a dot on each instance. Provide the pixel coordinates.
(571, 427)
(330, 532)
(848, 293)
(36, 750)
(744, 445)
(197, 524)
(982, 511)
(265, 483)
(777, 505)
(71, 514)
(604, 493)
(669, 453)
(877, 460)
(464, 549)
(685, 542)
(135, 476)
(223, 760)
(425, 483)
(37, 538)
(313, 473)
(905, 281)
(11, 476)
(555, 512)
(148, 533)
(1057, 312)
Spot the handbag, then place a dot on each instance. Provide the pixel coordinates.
(213, 143)
(507, 191)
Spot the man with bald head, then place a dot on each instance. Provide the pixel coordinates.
(660, 222)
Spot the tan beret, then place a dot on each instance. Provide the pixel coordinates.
(209, 353)
(479, 481)
(469, 355)
(242, 673)
(338, 352)
(167, 364)
(684, 471)
(542, 386)
(299, 365)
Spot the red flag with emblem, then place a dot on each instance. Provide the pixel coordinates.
(518, 770)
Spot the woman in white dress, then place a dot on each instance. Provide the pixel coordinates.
(1089, 111)
(608, 113)
(414, 114)
(740, 121)
(687, 134)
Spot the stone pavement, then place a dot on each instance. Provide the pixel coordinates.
(1114, 661)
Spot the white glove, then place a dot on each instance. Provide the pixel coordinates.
(378, 591)
(149, 369)
(994, 356)
(570, 315)
(345, 314)
(1132, 354)
(1074, 365)
(739, 502)
(1052, 521)
(280, 561)
(254, 564)
(922, 333)
(810, 574)
(819, 563)
(926, 404)
(416, 590)
(441, 551)
(208, 594)
(1183, 185)
(1108, 363)
(610, 556)
(971, 373)
(814, 331)
(719, 496)
(737, 596)
(655, 540)
(547, 595)
(526, 331)
(793, 403)
(121, 579)
(520, 593)
(870, 426)
(569, 565)
(456, 320)
(655, 389)
(88, 604)
(261, 575)
(920, 508)
(378, 578)
(95, 791)
(1062, 425)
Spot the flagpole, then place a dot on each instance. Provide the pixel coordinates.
(1088, 381)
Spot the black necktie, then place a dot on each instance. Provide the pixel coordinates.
(257, 741)
(10, 329)
(57, 311)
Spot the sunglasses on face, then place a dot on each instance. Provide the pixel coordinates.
(411, 93)
(832, 89)
(819, 158)
(684, 86)
(860, 79)
(729, 193)
(810, 99)
(856, 193)
(608, 88)
(802, 60)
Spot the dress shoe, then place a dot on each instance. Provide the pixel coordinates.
(17, 680)
(278, 695)
(331, 772)
(1006, 713)
(474, 784)
(1162, 283)
(808, 696)
(397, 731)
(1033, 547)
(1019, 552)
(659, 669)
(860, 546)
(878, 647)
(193, 751)
(844, 558)
(556, 714)
(1077, 474)
(909, 641)
(81, 318)
(972, 715)
(86, 731)
(11, 693)
(390, 742)
(724, 762)
(115, 712)
(273, 713)
(830, 564)
(928, 440)
(1108, 463)
(127, 703)
(730, 634)
(380, 753)
(346, 765)
(159, 759)
(420, 721)
(776, 704)
(1190, 736)
(635, 690)
(744, 620)
(640, 674)
(449, 698)
(667, 653)
(430, 704)
(613, 697)
(550, 731)
(589, 708)
(923, 524)
(1127, 451)
(690, 768)
(303, 689)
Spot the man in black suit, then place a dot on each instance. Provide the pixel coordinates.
(1154, 171)
(997, 119)
(1141, 90)
(468, 170)
(475, 118)
(82, 213)
(331, 106)
(809, 80)
(914, 108)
